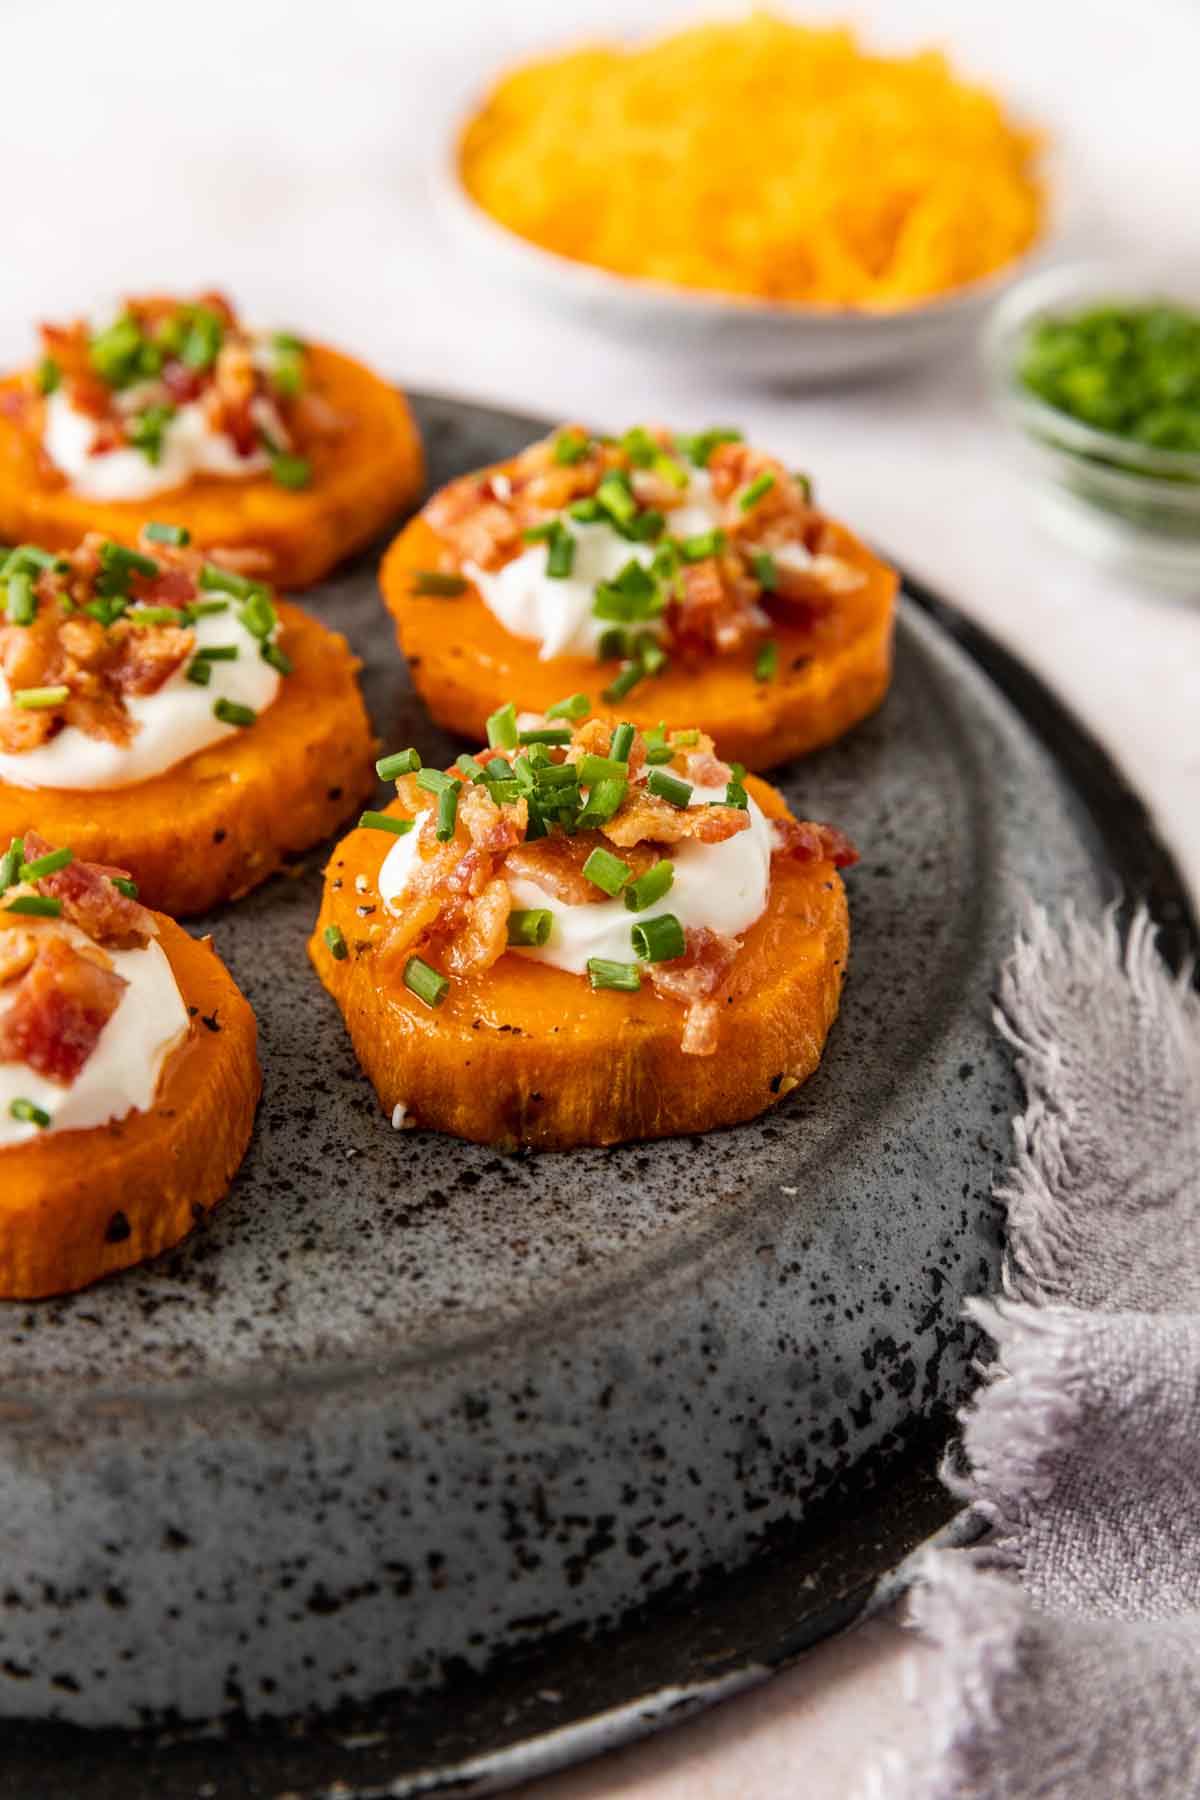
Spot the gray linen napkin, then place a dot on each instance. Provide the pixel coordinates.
(1070, 1636)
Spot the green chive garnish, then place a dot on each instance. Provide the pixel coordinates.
(167, 534)
(203, 609)
(29, 1114)
(766, 570)
(602, 803)
(669, 787)
(622, 743)
(575, 706)
(199, 673)
(502, 728)
(336, 942)
(751, 495)
(22, 603)
(230, 712)
(217, 653)
(625, 977)
(659, 753)
(118, 565)
(606, 871)
(204, 337)
(258, 615)
(10, 862)
(686, 740)
(279, 660)
(805, 484)
(703, 545)
(425, 982)
(434, 781)
(504, 793)
(736, 795)
(699, 447)
(400, 762)
(377, 821)
(227, 581)
(35, 906)
(436, 585)
(625, 682)
(653, 657)
(46, 865)
(613, 644)
(152, 615)
(545, 734)
(615, 497)
(601, 768)
(529, 927)
(41, 699)
(570, 447)
(660, 939)
(650, 887)
(469, 769)
(288, 471)
(557, 775)
(447, 812)
(124, 886)
(588, 511)
(766, 663)
(560, 556)
(48, 375)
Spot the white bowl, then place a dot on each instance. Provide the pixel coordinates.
(755, 340)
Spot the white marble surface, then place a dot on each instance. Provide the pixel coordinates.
(283, 150)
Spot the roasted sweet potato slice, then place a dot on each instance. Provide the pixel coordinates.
(223, 820)
(76, 1205)
(362, 478)
(526, 1054)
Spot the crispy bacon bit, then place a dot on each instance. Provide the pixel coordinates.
(90, 900)
(483, 937)
(806, 842)
(715, 608)
(147, 656)
(697, 978)
(555, 864)
(643, 816)
(18, 947)
(62, 1004)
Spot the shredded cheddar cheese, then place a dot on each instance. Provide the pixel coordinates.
(759, 158)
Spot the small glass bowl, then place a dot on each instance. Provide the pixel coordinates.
(1133, 508)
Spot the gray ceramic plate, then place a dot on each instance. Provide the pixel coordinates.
(560, 1443)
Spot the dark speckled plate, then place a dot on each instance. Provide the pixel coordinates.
(541, 1438)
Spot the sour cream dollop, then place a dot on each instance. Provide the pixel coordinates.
(123, 1072)
(556, 613)
(189, 447)
(724, 886)
(171, 724)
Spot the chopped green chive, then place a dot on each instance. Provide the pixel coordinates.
(124, 886)
(424, 982)
(198, 673)
(659, 940)
(31, 556)
(738, 771)
(400, 762)
(669, 787)
(40, 699)
(766, 570)
(631, 594)
(613, 644)
(625, 682)
(622, 743)
(703, 545)
(35, 906)
(114, 353)
(436, 585)
(648, 525)
(545, 734)
(504, 793)
(805, 484)
(287, 373)
(336, 941)
(626, 978)
(587, 511)
(152, 615)
(615, 497)
(699, 447)
(217, 653)
(736, 795)
(231, 712)
(602, 803)
(602, 768)
(529, 927)
(606, 871)
(107, 611)
(288, 341)
(575, 706)
(659, 753)
(147, 430)
(22, 603)
(650, 887)
(48, 375)
(167, 534)
(766, 663)
(570, 447)
(46, 865)
(434, 781)
(228, 581)
(205, 335)
(258, 615)
(203, 609)
(279, 660)
(497, 769)
(118, 565)
(470, 769)
(640, 447)
(651, 654)
(377, 821)
(560, 556)
(502, 728)
(751, 495)
(557, 775)
(288, 471)
(447, 811)
(29, 1114)
(10, 862)
(686, 740)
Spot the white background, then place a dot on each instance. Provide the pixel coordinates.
(284, 152)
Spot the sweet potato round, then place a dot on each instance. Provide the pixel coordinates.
(831, 673)
(76, 1205)
(361, 480)
(224, 819)
(528, 1055)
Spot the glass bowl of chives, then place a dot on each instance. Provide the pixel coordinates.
(1096, 366)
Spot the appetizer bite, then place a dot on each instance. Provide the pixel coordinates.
(128, 1073)
(172, 408)
(164, 712)
(583, 934)
(696, 570)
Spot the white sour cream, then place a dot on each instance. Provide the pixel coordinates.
(172, 724)
(189, 447)
(556, 614)
(724, 886)
(122, 1073)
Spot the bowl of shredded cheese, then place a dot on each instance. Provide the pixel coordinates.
(772, 195)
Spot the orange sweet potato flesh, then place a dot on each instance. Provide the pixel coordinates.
(831, 674)
(77, 1205)
(220, 822)
(362, 479)
(528, 1055)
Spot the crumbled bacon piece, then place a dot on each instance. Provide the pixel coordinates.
(483, 936)
(697, 978)
(805, 841)
(147, 656)
(91, 901)
(555, 864)
(643, 816)
(18, 947)
(715, 607)
(61, 1005)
